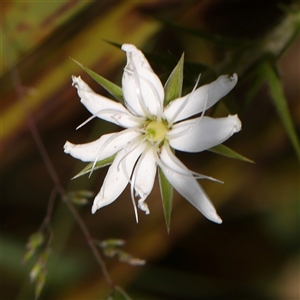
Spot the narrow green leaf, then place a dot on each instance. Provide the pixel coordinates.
(173, 86)
(253, 90)
(225, 151)
(100, 164)
(280, 102)
(166, 191)
(112, 88)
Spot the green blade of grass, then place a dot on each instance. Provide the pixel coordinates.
(279, 99)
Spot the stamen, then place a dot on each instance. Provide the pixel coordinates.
(109, 140)
(169, 135)
(184, 172)
(159, 109)
(132, 183)
(113, 113)
(139, 90)
(134, 204)
(156, 131)
(136, 144)
(86, 121)
(182, 106)
(146, 111)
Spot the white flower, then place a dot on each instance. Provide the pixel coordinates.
(150, 133)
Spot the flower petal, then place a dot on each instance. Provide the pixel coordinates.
(103, 107)
(201, 99)
(102, 148)
(202, 133)
(143, 177)
(118, 176)
(142, 90)
(186, 185)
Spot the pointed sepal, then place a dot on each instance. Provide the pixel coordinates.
(225, 151)
(166, 191)
(99, 164)
(173, 86)
(112, 88)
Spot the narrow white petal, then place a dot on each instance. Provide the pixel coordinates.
(104, 147)
(201, 99)
(186, 185)
(143, 177)
(203, 133)
(142, 89)
(103, 107)
(118, 176)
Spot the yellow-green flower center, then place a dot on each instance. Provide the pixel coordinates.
(156, 131)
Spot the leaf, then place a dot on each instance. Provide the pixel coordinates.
(112, 88)
(280, 102)
(100, 164)
(253, 90)
(166, 191)
(173, 86)
(225, 151)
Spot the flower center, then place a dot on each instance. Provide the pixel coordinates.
(156, 131)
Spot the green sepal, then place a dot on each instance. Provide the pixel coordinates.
(99, 164)
(173, 86)
(166, 191)
(112, 88)
(225, 151)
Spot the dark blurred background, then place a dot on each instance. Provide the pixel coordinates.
(254, 254)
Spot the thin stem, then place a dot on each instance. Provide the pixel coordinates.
(54, 177)
(126, 296)
(89, 240)
(49, 210)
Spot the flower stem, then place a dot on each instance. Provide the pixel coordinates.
(55, 179)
